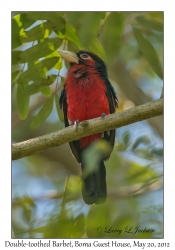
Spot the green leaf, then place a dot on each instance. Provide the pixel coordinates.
(43, 114)
(47, 64)
(46, 82)
(38, 70)
(40, 31)
(148, 52)
(45, 15)
(126, 137)
(150, 23)
(27, 204)
(72, 47)
(59, 24)
(72, 36)
(16, 40)
(96, 47)
(59, 111)
(45, 90)
(59, 64)
(22, 22)
(31, 74)
(31, 89)
(53, 54)
(22, 101)
(40, 50)
(112, 34)
(15, 56)
(15, 13)
(27, 213)
(139, 174)
(103, 14)
(79, 226)
(90, 27)
(36, 33)
(62, 81)
(94, 154)
(39, 85)
(14, 74)
(25, 23)
(142, 139)
(13, 85)
(157, 152)
(29, 201)
(74, 16)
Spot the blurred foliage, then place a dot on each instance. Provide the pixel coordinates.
(46, 187)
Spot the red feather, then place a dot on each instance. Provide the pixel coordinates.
(86, 97)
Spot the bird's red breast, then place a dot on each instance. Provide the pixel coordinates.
(86, 96)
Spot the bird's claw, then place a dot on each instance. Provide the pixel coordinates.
(76, 124)
(103, 115)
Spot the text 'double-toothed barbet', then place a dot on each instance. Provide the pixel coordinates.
(88, 94)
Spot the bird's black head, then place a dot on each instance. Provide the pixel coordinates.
(89, 59)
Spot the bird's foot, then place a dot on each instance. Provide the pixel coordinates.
(103, 115)
(76, 124)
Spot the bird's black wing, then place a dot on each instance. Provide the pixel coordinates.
(74, 145)
(113, 104)
(112, 97)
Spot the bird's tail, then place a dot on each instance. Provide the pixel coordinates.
(94, 185)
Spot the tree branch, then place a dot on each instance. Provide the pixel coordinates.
(85, 128)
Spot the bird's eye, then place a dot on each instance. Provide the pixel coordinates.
(84, 56)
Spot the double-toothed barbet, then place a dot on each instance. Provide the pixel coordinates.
(88, 94)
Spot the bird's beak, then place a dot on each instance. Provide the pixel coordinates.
(70, 57)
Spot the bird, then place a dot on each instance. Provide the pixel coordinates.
(88, 94)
